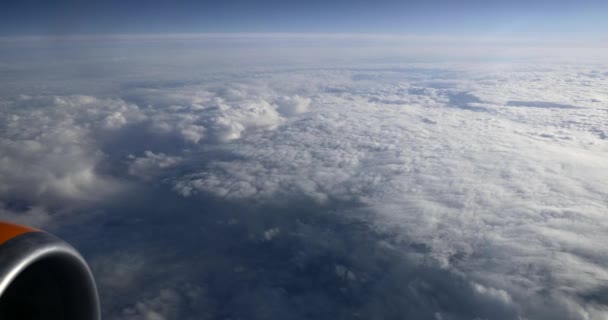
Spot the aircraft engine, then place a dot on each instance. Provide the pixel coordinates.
(43, 277)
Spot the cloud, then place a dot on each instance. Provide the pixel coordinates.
(480, 186)
(445, 191)
(118, 272)
(71, 148)
(48, 149)
(160, 307)
(292, 105)
(199, 112)
(147, 167)
(30, 215)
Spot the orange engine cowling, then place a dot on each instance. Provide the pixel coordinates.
(42, 277)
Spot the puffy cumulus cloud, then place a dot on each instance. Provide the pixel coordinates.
(55, 165)
(319, 173)
(149, 165)
(231, 120)
(48, 154)
(58, 150)
(292, 105)
(220, 114)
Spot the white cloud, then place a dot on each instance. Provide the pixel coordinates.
(150, 164)
(489, 187)
(199, 112)
(292, 105)
(50, 158)
(56, 148)
(49, 153)
(193, 133)
(497, 294)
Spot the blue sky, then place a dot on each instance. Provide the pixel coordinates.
(39, 17)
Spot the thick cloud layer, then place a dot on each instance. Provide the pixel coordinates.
(75, 148)
(497, 193)
(458, 191)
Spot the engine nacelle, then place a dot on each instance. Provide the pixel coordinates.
(42, 277)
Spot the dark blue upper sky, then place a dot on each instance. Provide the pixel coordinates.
(40, 17)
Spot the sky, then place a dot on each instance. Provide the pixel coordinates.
(37, 17)
(315, 160)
